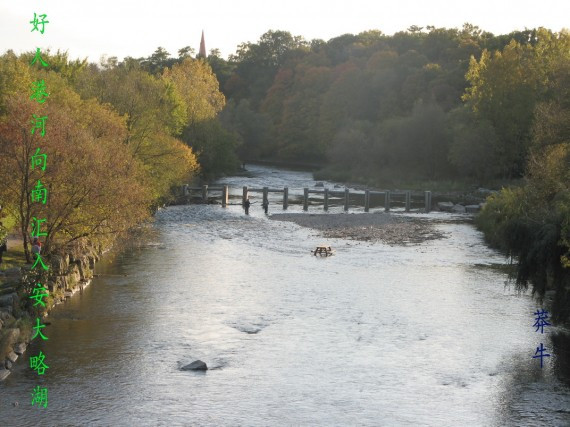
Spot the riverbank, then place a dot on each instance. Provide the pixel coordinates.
(381, 227)
(69, 272)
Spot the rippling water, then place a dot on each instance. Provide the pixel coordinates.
(376, 335)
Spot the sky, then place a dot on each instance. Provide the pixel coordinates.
(137, 27)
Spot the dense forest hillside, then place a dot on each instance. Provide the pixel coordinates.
(430, 103)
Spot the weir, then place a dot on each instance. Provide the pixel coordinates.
(405, 197)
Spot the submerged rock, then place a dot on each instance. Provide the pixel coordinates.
(458, 209)
(197, 365)
(445, 206)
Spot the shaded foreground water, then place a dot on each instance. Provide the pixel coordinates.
(377, 335)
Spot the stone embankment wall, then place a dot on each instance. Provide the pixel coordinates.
(69, 273)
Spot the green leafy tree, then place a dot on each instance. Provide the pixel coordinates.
(532, 222)
(257, 63)
(253, 129)
(504, 89)
(474, 146)
(95, 188)
(197, 87)
(222, 68)
(158, 61)
(154, 112)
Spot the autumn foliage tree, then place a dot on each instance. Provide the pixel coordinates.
(94, 185)
(198, 90)
(532, 222)
(110, 141)
(154, 115)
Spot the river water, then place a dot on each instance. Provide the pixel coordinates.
(376, 335)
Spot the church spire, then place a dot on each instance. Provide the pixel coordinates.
(202, 53)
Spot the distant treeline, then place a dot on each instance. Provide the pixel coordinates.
(421, 104)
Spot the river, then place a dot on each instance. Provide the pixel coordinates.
(377, 335)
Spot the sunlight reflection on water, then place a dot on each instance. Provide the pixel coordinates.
(376, 335)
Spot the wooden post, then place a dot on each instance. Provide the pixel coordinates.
(244, 196)
(346, 199)
(306, 199)
(387, 201)
(408, 200)
(225, 196)
(205, 193)
(326, 199)
(265, 198)
(367, 201)
(285, 197)
(428, 200)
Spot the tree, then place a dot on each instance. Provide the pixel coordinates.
(214, 146)
(532, 222)
(198, 88)
(221, 68)
(95, 187)
(154, 112)
(257, 63)
(474, 149)
(15, 77)
(416, 145)
(252, 128)
(298, 130)
(186, 52)
(504, 89)
(158, 61)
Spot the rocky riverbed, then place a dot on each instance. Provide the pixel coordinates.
(381, 227)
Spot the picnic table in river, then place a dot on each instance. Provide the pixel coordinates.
(323, 250)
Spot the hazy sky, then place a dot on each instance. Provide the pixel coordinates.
(137, 27)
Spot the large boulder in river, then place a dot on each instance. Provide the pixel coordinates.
(197, 365)
(472, 208)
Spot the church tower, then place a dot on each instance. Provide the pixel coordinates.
(202, 53)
